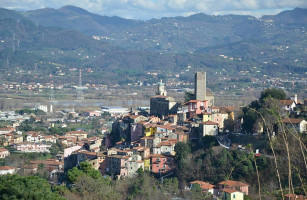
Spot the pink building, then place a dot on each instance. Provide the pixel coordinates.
(162, 163)
(196, 107)
(234, 185)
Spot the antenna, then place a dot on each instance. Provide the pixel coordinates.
(7, 62)
(79, 89)
(80, 77)
(13, 42)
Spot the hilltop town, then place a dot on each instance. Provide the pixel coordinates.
(123, 143)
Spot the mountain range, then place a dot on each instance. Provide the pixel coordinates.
(55, 40)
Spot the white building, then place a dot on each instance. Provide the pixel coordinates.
(209, 128)
(115, 110)
(32, 147)
(299, 125)
(4, 153)
(134, 163)
(6, 170)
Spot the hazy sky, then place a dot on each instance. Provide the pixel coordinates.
(146, 9)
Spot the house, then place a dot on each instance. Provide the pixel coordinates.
(117, 165)
(30, 169)
(136, 131)
(208, 128)
(6, 170)
(33, 136)
(300, 125)
(95, 113)
(144, 152)
(79, 135)
(150, 129)
(32, 147)
(162, 163)
(6, 130)
(295, 197)
(135, 162)
(206, 187)
(67, 141)
(230, 194)
(4, 153)
(287, 105)
(92, 144)
(196, 107)
(50, 138)
(49, 164)
(165, 147)
(234, 185)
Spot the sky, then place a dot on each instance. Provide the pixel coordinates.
(147, 9)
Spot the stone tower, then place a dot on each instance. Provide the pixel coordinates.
(200, 86)
(161, 89)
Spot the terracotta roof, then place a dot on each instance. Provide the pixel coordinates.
(203, 185)
(148, 137)
(228, 190)
(46, 162)
(209, 123)
(6, 168)
(75, 132)
(286, 102)
(233, 183)
(31, 166)
(134, 116)
(295, 197)
(7, 129)
(292, 121)
(3, 149)
(194, 101)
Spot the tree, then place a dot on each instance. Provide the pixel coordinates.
(182, 150)
(85, 168)
(13, 187)
(188, 96)
(273, 93)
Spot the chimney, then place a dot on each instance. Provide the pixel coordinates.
(295, 98)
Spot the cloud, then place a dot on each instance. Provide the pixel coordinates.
(146, 9)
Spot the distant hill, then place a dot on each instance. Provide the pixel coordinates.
(296, 16)
(37, 51)
(75, 18)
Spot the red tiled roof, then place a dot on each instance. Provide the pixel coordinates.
(6, 168)
(3, 149)
(286, 102)
(292, 121)
(203, 185)
(228, 190)
(295, 197)
(209, 123)
(233, 183)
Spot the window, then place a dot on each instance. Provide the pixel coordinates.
(234, 196)
(157, 165)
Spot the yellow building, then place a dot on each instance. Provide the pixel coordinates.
(207, 117)
(147, 164)
(150, 129)
(230, 194)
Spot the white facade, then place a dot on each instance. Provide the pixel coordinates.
(32, 147)
(115, 110)
(6, 170)
(209, 128)
(134, 163)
